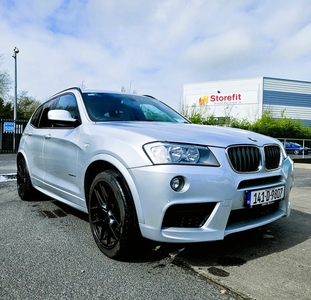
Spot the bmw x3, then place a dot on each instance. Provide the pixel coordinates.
(140, 169)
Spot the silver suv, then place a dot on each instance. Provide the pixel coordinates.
(140, 169)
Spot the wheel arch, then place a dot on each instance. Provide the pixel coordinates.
(19, 155)
(104, 163)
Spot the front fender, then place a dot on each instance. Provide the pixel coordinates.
(106, 158)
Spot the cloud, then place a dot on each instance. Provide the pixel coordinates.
(153, 46)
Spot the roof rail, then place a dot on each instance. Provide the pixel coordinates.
(150, 96)
(71, 88)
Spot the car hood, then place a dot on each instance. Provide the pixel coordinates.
(145, 132)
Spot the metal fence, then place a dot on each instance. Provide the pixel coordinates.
(305, 145)
(10, 134)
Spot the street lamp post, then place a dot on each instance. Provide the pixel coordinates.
(15, 51)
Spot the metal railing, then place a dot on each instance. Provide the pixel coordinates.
(304, 143)
(10, 134)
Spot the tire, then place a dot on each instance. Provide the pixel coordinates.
(24, 186)
(296, 151)
(112, 215)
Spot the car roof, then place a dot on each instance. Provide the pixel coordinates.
(84, 91)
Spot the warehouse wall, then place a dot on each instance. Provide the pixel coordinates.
(279, 96)
(289, 96)
(240, 99)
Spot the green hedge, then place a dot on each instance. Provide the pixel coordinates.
(282, 127)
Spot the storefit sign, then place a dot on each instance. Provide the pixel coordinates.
(220, 98)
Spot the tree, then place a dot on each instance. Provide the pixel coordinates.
(26, 105)
(5, 82)
(129, 89)
(6, 109)
(82, 85)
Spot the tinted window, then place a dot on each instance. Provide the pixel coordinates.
(68, 102)
(36, 117)
(119, 107)
(44, 122)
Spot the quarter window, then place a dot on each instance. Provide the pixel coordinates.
(44, 121)
(68, 102)
(36, 117)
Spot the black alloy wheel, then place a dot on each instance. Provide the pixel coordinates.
(112, 215)
(24, 186)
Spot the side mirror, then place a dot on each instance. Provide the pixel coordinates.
(62, 117)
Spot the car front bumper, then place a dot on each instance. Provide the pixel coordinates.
(219, 186)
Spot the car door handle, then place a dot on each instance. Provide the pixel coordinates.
(27, 132)
(47, 136)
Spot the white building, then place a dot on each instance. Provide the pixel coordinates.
(249, 98)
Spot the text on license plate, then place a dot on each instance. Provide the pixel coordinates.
(262, 197)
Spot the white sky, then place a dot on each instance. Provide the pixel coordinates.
(152, 46)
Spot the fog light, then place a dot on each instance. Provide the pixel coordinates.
(177, 183)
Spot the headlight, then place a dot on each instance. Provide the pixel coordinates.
(283, 151)
(171, 153)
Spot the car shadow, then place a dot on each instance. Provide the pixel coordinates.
(146, 250)
(237, 249)
(68, 210)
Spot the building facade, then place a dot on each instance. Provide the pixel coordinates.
(250, 98)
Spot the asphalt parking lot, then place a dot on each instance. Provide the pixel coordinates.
(272, 262)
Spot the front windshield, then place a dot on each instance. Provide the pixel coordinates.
(123, 107)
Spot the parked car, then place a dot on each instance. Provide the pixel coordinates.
(295, 148)
(140, 169)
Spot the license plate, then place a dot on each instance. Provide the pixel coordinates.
(264, 197)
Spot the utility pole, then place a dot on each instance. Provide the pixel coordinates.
(15, 51)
